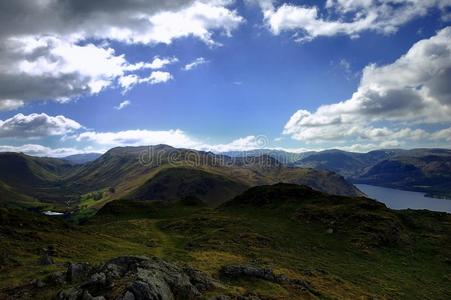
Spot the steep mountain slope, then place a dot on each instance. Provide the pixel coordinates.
(34, 177)
(14, 198)
(425, 170)
(134, 172)
(426, 173)
(348, 164)
(21, 169)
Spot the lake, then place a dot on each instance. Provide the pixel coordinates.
(52, 213)
(399, 199)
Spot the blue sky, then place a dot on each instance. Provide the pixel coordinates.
(264, 68)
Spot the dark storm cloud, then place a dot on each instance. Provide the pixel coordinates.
(24, 17)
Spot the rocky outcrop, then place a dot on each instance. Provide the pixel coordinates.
(253, 272)
(139, 278)
(78, 272)
(237, 271)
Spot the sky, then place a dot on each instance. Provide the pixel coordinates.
(223, 75)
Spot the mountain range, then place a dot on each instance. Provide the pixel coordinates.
(148, 173)
(422, 170)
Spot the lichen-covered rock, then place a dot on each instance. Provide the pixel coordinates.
(234, 271)
(78, 272)
(140, 278)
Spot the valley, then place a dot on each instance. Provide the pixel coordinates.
(245, 227)
(165, 173)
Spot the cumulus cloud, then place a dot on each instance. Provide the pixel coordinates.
(128, 81)
(197, 62)
(156, 77)
(36, 125)
(49, 54)
(155, 64)
(173, 137)
(347, 17)
(247, 143)
(412, 90)
(390, 144)
(10, 104)
(123, 104)
(42, 68)
(129, 21)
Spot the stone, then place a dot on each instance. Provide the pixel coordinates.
(78, 272)
(56, 278)
(138, 278)
(200, 280)
(46, 260)
(128, 296)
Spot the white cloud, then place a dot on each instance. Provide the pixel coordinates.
(412, 90)
(10, 104)
(197, 62)
(250, 142)
(130, 21)
(155, 64)
(36, 125)
(173, 137)
(42, 68)
(390, 144)
(123, 104)
(48, 55)
(128, 81)
(347, 17)
(196, 20)
(444, 134)
(39, 150)
(158, 77)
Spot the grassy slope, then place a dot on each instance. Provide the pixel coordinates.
(121, 168)
(289, 236)
(177, 183)
(35, 178)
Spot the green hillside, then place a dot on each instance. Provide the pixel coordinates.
(319, 246)
(177, 183)
(165, 173)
